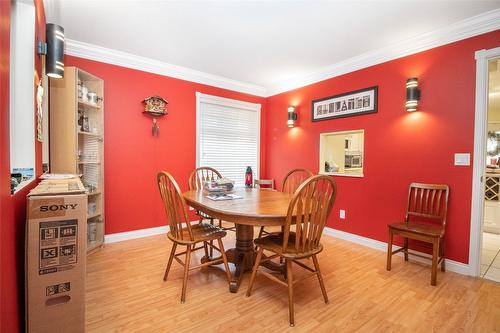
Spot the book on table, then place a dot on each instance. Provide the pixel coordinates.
(223, 196)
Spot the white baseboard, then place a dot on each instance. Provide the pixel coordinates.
(122, 236)
(451, 265)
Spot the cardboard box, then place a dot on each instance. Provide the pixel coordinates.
(55, 257)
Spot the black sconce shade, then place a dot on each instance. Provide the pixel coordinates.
(54, 60)
(412, 94)
(292, 116)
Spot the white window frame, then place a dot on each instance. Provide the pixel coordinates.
(227, 102)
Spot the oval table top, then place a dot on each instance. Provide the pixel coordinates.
(257, 207)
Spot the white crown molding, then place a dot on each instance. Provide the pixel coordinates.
(473, 26)
(124, 59)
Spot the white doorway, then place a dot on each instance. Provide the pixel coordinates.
(484, 250)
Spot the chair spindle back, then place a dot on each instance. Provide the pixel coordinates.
(293, 179)
(427, 201)
(312, 202)
(201, 175)
(175, 206)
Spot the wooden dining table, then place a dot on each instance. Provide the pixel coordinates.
(257, 207)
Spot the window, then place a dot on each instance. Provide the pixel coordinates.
(22, 92)
(228, 136)
(342, 153)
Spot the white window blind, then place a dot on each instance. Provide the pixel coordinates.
(228, 135)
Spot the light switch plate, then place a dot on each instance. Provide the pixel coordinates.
(342, 214)
(462, 159)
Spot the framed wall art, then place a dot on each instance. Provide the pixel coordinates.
(353, 103)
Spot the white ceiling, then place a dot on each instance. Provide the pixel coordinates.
(264, 43)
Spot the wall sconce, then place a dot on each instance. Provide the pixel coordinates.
(412, 94)
(292, 116)
(53, 50)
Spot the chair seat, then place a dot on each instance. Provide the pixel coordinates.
(418, 228)
(201, 232)
(274, 243)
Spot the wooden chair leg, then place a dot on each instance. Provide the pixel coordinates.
(224, 259)
(406, 248)
(261, 231)
(289, 279)
(205, 247)
(435, 256)
(186, 271)
(282, 231)
(170, 258)
(442, 255)
(211, 250)
(254, 271)
(320, 278)
(389, 251)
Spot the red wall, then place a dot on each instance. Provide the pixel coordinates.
(400, 147)
(132, 156)
(13, 207)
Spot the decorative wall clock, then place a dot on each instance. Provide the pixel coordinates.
(156, 106)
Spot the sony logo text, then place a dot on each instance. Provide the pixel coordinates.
(54, 208)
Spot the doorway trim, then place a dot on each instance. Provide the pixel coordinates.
(479, 164)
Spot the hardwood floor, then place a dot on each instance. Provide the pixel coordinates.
(126, 293)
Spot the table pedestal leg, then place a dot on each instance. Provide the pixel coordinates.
(242, 256)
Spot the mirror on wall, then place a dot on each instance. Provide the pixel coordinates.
(342, 153)
(22, 94)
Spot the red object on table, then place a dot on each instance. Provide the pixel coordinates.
(249, 177)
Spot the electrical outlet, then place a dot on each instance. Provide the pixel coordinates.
(342, 214)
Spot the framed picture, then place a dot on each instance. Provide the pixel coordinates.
(344, 105)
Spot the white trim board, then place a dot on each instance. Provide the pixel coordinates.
(470, 27)
(467, 28)
(451, 265)
(128, 235)
(129, 60)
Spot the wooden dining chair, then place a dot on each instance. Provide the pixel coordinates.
(195, 182)
(190, 235)
(291, 182)
(425, 220)
(294, 178)
(309, 210)
(264, 184)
